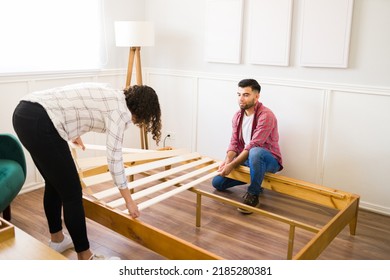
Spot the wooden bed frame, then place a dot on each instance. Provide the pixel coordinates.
(173, 171)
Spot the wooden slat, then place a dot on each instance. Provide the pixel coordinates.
(164, 185)
(142, 181)
(169, 172)
(96, 161)
(105, 177)
(173, 192)
(124, 150)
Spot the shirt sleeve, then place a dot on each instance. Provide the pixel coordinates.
(115, 133)
(234, 140)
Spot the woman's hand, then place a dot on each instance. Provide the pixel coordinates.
(133, 209)
(131, 206)
(79, 143)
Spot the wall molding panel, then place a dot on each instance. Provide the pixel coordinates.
(223, 32)
(325, 33)
(270, 31)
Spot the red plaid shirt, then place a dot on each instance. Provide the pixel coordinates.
(264, 132)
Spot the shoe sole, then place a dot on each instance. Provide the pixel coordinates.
(69, 246)
(246, 212)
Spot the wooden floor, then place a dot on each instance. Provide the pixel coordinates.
(224, 230)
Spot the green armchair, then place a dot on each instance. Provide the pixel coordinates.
(12, 172)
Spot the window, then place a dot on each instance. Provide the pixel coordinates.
(50, 35)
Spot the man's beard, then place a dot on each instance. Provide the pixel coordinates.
(247, 106)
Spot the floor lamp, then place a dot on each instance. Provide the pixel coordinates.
(135, 34)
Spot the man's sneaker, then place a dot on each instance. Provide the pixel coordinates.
(251, 200)
(261, 190)
(96, 257)
(62, 246)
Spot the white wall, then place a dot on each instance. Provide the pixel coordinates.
(333, 122)
(119, 10)
(330, 134)
(180, 44)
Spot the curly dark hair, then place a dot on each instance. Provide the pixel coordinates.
(144, 106)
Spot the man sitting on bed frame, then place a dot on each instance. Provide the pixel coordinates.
(254, 143)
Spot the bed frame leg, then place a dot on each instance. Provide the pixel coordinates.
(291, 242)
(353, 223)
(198, 209)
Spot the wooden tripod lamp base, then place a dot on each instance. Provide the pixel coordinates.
(135, 55)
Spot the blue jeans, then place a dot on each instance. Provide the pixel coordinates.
(259, 162)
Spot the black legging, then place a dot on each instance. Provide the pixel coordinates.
(52, 157)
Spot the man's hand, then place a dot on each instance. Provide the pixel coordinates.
(226, 169)
(227, 165)
(231, 162)
(221, 166)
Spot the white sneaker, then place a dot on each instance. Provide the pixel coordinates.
(62, 246)
(95, 257)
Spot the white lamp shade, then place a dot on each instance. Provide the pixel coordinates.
(134, 33)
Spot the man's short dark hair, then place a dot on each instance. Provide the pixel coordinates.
(250, 83)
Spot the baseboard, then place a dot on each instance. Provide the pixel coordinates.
(374, 208)
(31, 187)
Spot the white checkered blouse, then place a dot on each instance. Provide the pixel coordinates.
(80, 108)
